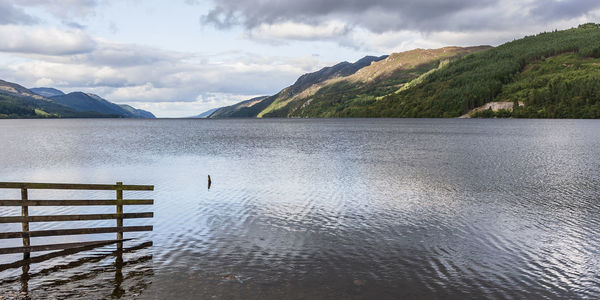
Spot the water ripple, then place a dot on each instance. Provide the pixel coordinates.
(323, 209)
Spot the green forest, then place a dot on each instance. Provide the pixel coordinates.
(555, 74)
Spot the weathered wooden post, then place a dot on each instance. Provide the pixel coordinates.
(119, 214)
(25, 223)
(26, 242)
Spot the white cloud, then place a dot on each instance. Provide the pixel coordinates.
(298, 31)
(45, 81)
(62, 8)
(47, 41)
(383, 25)
(143, 92)
(204, 102)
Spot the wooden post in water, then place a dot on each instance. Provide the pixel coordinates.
(120, 214)
(26, 243)
(25, 223)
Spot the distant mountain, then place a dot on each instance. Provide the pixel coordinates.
(138, 113)
(17, 101)
(47, 92)
(14, 89)
(340, 70)
(254, 107)
(244, 109)
(204, 115)
(84, 102)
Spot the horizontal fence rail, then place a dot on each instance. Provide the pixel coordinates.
(74, 202)
(90, 217)
(74, 186)
(25, 218)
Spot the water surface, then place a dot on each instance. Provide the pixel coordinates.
(319, 209)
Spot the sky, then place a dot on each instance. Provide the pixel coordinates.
(180, 58)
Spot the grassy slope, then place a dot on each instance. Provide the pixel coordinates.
(517, 70)
(364, 87)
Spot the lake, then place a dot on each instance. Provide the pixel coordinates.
(319, 209)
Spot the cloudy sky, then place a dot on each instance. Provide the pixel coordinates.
(182, 57)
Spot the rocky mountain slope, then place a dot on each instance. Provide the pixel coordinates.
(321, 93)
(254, 107)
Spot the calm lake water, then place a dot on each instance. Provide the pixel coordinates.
(318, 209)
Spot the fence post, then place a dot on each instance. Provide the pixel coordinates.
(118, 291)
(25, 223)
(120, 213)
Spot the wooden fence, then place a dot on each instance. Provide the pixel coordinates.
(25, 218)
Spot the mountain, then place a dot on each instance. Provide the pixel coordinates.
(340, 70)
(322, 93)
(244, 109)
(364, 86)
(138, 113)
(89, 102)
(549, 75)
(46, 92)
(17, 101)
(253, 107)
(9, 88)
(205, 114)
(84, 102)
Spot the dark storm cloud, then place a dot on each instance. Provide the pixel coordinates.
(375, 15)
(549, 10)
(12, 15)
(389, 15)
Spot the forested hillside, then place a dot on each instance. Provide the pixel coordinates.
(17, 101)
(555, 74)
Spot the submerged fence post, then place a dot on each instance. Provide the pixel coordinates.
(25, 223)
(120, 214)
